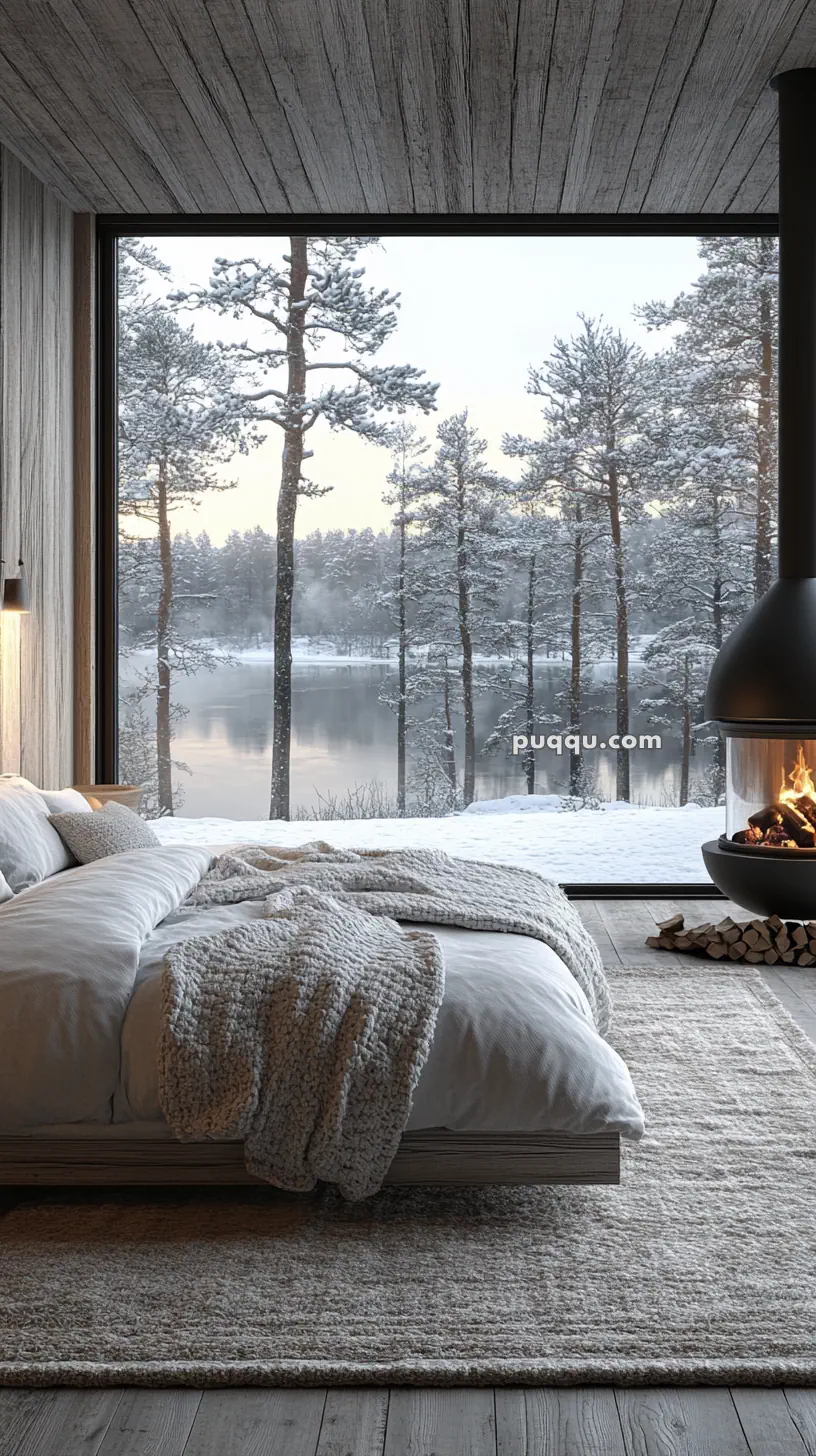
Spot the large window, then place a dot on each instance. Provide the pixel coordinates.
(443, 529)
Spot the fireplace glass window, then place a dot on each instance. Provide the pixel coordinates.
(770, 792)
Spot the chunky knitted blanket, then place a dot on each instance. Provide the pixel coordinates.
(304, 1033)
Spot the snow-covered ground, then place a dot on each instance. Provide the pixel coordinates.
(326, 653)
(316, 655)
(616, 844)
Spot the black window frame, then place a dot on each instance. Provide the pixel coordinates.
(111, 227)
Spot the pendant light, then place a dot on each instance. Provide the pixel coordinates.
(16, 596)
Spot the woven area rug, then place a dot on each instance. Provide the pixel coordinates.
(700, 1267)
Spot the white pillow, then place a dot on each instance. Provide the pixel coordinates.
(59, 801)
(65, 801)
(10, 778)
(30, 849)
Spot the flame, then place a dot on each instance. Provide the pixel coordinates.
(801, 781)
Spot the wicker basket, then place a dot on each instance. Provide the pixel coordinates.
(128, 794)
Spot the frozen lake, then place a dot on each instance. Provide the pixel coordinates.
(344, 736)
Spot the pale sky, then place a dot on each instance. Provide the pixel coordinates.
(475, 313)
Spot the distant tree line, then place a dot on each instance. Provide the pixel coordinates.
(644, 504)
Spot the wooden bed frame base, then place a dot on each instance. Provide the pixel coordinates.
(436, 1156)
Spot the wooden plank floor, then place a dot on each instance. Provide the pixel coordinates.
(582, 1421)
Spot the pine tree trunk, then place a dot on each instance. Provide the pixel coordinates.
(403, 654)
(292, 462)
(763, 563)
(163, 619)
(719, 635)
(684, 766)
(621, 631)
(575, 704)
(466, 640)
(450, 742)
(529, 695)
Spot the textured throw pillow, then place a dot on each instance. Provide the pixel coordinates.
(30, 849)
(113, 829)
(65, 801)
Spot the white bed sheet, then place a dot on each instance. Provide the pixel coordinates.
(515, 1047)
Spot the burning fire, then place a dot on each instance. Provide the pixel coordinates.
(790, 823)
(801, 781)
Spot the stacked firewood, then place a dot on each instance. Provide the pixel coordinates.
(771, 941)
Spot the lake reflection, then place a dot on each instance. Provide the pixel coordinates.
(343, 735)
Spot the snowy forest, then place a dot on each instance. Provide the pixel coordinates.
(634, 527)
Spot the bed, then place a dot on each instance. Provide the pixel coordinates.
(517, 1087)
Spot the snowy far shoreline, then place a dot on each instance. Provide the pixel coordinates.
(327, 654)
(617, 844)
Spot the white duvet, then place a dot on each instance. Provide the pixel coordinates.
(515, 1047)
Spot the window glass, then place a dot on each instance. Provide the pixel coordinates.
(442, 530)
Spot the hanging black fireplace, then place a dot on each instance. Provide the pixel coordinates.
(762, 689)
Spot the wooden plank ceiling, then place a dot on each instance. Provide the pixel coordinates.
(400, 106)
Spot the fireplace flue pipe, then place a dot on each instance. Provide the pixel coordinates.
(797, 322)
(763, 682)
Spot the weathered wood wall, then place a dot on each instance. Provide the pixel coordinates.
(36, 475)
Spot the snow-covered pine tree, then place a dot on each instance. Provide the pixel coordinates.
(177, 421)
(530, 543)
(433, 774)
(137, 264)
(705, 544)
(599, 395)
(549, 480)
(354, 572)
(258, 585)
(456, 512)
(581, 526)
(592, 463)
(400, 593)
(677, 663)
(726, 349)
(313, 291)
